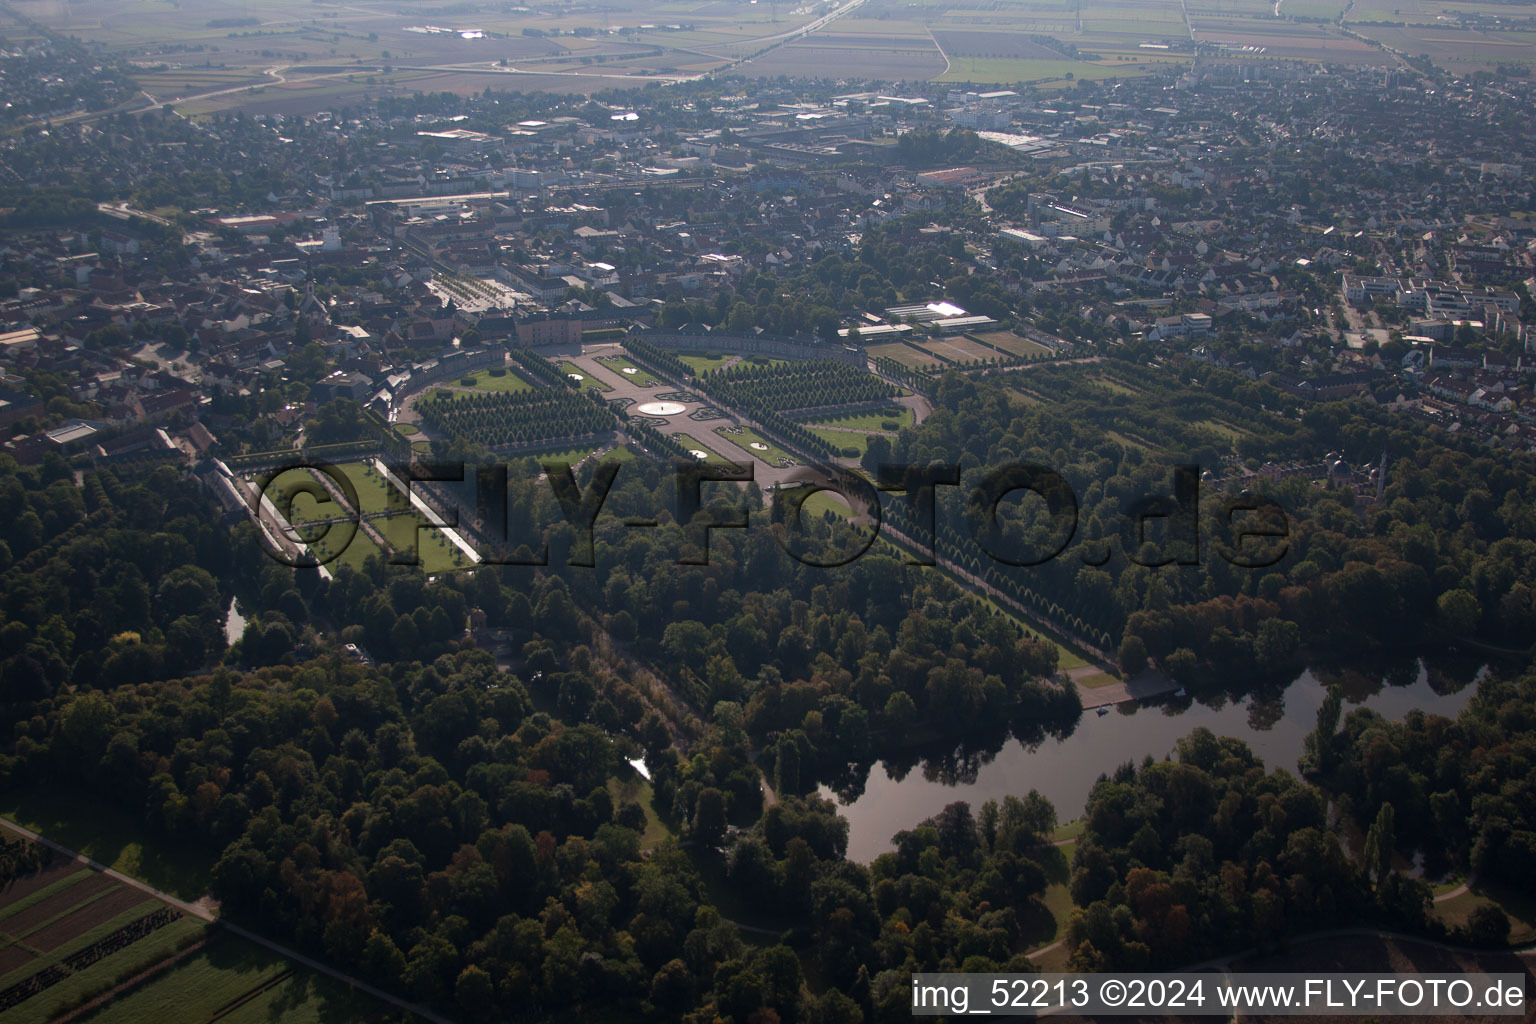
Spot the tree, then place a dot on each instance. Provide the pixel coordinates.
(1488, 925)
(1181, 664)
(1380, 845)
(1133, 655)
(474, 991)
(672, 986)
(877, 454)
(1459, 612)
(709, 817)
(1275, 645)
(1321, 747)
(900, 709)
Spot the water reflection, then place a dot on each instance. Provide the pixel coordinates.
(234, 623)
(1274, 720)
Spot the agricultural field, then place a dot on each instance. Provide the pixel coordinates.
(188, 80)
(1010, 45)
(68, 932)
(920, 62)
(296, 57)
(1248, 37)
(959, 350)
(292, 57)
(1455, 48)
(231, 980)
(1003, 71)
(906, 355)
(1014, 345)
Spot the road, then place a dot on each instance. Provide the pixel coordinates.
(203, 911)
(123, 211)
(806, 29)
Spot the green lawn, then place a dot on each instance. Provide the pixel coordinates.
(506, 379)
(1096, 680)
(635, 789)
(407, 429)
(588, 380)
(306, 508)
(372, 492)
(1458, 910)
(818, 503)
(691, 443)
(570, 455)
(870, 420)
(1226, 430)
(701, 363)
(621, 453)
(841, 439)
(111, 833)
(357, 551)
(437, 552)
(1066, 657)
(1070, 830)
(1113, 386)
(744, 437)
(641, 376)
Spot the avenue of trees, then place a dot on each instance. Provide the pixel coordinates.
(513, 417)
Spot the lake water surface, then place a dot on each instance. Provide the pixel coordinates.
(1274, 724)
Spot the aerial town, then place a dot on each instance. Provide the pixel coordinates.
(728, 521)
(1204, 219)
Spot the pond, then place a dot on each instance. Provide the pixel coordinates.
(1273, 722)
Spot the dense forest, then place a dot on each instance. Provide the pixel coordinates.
(1445, 553)
(457, 825)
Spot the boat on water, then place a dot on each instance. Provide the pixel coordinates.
(1103, 709)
